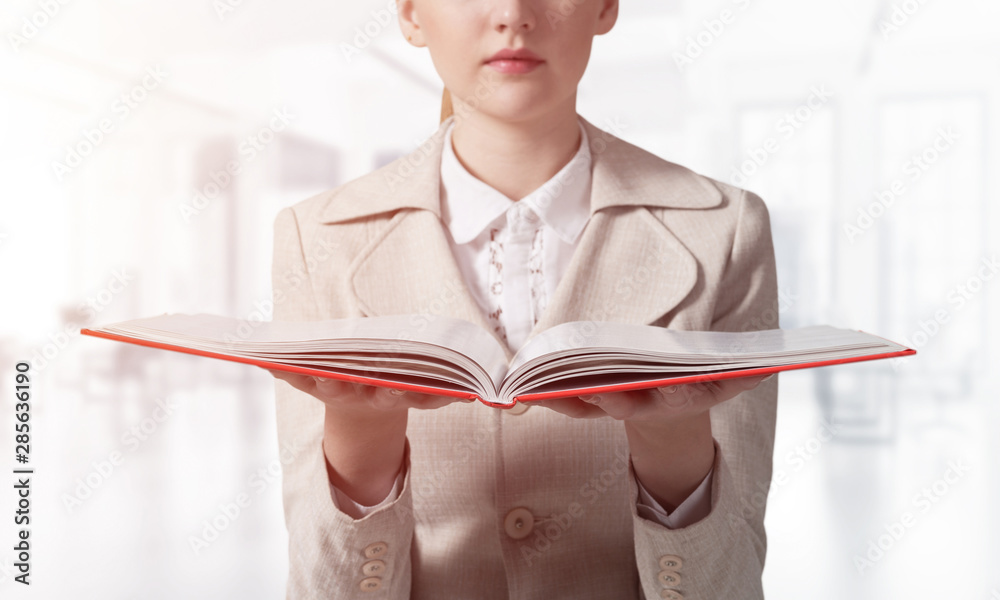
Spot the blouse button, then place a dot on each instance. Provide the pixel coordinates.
(528, 215)
(518, 523)
(371, 584)
(669, 562)
(671, 595)
(373, 567)
(669, 578)
(375, 550)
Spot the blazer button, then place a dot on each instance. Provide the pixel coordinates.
(518, 408)
(671, 595)
(375, 550)
(373, 567)
(669, 578)
(669, 562)
(371, 584)
(518, 523)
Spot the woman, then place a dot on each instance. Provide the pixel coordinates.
(519, 214)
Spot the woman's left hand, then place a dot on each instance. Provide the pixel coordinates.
(653, 406)
(669, 430)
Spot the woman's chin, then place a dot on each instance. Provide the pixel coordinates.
(515, 107)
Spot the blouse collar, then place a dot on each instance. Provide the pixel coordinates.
(469, 205)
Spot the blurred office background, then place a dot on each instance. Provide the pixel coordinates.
(887, 480)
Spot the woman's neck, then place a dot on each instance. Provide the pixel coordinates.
(516, 158)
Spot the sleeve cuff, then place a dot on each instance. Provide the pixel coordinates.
(693, 509)
(344, 504)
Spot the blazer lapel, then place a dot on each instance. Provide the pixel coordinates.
(628, 266)
(409, 268)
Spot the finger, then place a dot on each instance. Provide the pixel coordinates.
(707, 392)
(730, 388)
(331, 388)
(572, 407)
(677, 397)
(619, 405)
(384, 398)
(430, 401)
(284, 375)
(748, 383)
(388, 398)
(302, 383)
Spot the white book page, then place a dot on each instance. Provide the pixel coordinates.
(612, 348)
(442, 338)
(700, 347)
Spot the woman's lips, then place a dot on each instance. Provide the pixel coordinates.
(514, 65)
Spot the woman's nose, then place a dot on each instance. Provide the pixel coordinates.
(517, 15)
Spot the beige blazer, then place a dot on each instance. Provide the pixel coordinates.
(664, 246)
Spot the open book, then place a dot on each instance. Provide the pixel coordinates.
(452, 357)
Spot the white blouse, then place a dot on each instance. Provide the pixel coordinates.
(512, 255)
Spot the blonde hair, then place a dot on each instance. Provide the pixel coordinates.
(446, 110)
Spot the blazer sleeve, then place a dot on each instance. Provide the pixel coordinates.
(722, 555)
(347, 505)
(330, 554)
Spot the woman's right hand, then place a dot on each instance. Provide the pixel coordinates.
(364, 431)
(350, 397)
